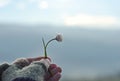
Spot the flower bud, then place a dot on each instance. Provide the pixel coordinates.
(59, 38)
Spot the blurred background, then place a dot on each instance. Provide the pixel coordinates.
(90, 50)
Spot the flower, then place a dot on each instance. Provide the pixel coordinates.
(59, 38)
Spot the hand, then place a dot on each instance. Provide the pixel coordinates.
(54, 74)
(27, 61)
(37, 59)
(55, 71)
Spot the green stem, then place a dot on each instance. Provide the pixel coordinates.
(44, 48)
(49, 42)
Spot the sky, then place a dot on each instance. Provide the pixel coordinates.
(86, 13)
(90, 28)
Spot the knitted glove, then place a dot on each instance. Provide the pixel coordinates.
(3, 67)
(22, 62)
(23, 79)
(35, 70)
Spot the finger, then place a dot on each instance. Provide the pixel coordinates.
(53, 72)
(52, 66)
(37, 59)
(49, 74)
(55, 77)
(56, 70)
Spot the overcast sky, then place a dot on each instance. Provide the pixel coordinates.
(87, 13)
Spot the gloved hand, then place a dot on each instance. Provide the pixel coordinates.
(53, 73)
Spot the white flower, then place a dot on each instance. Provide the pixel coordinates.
(59, 38)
